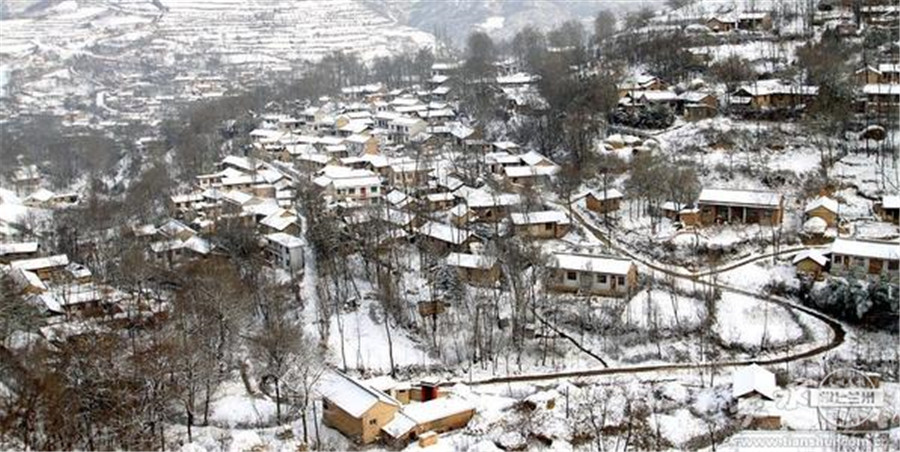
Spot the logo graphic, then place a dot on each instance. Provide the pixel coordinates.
(846, 399)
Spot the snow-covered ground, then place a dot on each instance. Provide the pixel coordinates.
(746, 322)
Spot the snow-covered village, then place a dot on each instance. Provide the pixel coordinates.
(449, 226)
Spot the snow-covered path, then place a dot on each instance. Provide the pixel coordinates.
(838, 333)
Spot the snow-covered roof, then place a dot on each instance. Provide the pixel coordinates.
(814, 255)
(693, 96)
(344, 177)
(350, 395)
(396, 217)
(753, 378)
(39, 263)
(78, 271)
(285, 240)
(502, 157)
(197, 244)
(41, 195)
(822, 201)
(610, 193)
(544, 216)
(888, 67)
(769, 87)
(425, 413)
(478, 261)
(482, 199)
(530, 171)
(887, 202)
(240, 162)
(278, 221)
(882, 88)
(533, 158)
(440, 197)
(459, 210)
(520, 78)
(593, 264)
(188, 197)
(398, 198)
(749, 198)
(18, 248)
(444, 232)
(866, 248)
(654, 95)
(24, 278)
(505, 145)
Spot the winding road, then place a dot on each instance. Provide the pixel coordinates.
(837, 337)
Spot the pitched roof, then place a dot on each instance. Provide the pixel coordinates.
(425, 413)
(749, 198)
(59, 260)
(18, 248)
(593, 264)
(813, 255)
(890, 202)
(285, 240)
(444, 232)
(351, 395)
(544, 216)
(753, 378)
(866, 248)
(610, 193)
(464, 260)
(822, 201)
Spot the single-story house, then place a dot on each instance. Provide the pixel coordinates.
(443, 238)
(475, 269)
(595, 275)
(867, 257)
(17, 251)
(490, 207)
(823, 207)
(543, 224)
(745, 206)
(43, 267)
(810, 263)
(604, 201)
(770, 94)
(434, 416)
(355, 409)
(754, 388)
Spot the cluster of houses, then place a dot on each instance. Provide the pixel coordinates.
(29, 184)
(750, 99)
(862, 258)
(243, 192)
(59, 289)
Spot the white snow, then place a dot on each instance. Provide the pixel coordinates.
(741, 321)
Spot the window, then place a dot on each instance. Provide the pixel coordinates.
(351, 191)
(548, 226)
(372, 421)
(374, 189)
(601, 279)
(571, 276)
(621, 280)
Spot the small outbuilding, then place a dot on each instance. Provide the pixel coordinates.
(810, 263)
(823, 207)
